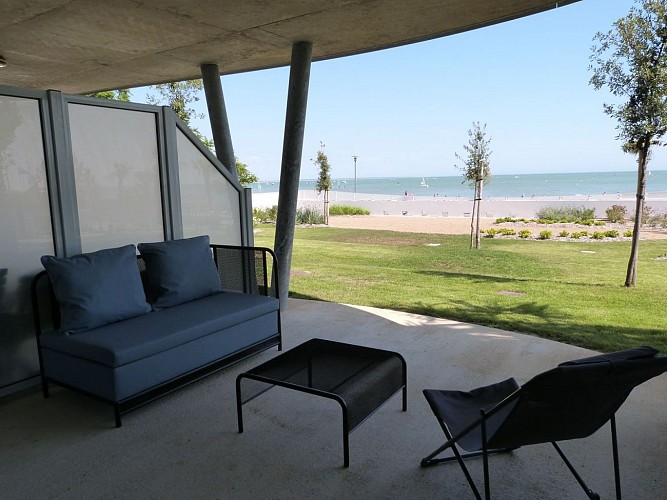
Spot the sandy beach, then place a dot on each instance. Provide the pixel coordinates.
(460, 225)
(495, 207)
(452, 216)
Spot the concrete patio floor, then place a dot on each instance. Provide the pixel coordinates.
(186, 445)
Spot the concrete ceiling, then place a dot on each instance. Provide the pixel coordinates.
(82, 46)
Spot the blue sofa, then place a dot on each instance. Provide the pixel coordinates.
(155, 330)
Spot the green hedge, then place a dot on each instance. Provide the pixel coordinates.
(347, 210)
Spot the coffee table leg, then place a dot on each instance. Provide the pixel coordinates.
(239, 404)
(405, 397)
(346, 434)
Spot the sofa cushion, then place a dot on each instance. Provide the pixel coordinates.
(97, 288)
(144, 336)
(180, 270)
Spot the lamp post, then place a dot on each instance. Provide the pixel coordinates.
(355, 176)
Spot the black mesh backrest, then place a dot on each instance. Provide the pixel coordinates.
(575, 399)
(246, 269)
(148, 289)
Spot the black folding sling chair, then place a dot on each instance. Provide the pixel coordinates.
(571, 401)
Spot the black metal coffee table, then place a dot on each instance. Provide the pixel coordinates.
(360, 378)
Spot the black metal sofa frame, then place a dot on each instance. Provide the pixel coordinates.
(245, 270)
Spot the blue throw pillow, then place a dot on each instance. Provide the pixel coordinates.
(98, 288)
(180, 270)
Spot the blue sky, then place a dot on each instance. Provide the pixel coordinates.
(406, 111)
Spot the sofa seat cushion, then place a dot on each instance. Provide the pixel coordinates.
(130, 340)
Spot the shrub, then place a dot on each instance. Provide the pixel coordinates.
(506, 231)
(265, 214)
(490, 233)
(563, 234)
(566, 214)
(505, 219)
(309, 215)
(657, 220)
(616, 213)
(577, 235)
(598, 235)
(347, 210)
(628, 234)
(545, 235)
(599, 223)
(612, 233)
(524, 233)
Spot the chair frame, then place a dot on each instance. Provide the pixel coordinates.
(431, 459)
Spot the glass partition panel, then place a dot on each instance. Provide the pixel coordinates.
(116, 170)
(210, 203)
(25, 232)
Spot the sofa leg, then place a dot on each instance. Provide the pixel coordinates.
(116, 411)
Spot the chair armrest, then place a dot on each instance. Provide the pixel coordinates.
(45, 310)
(626, 355)
(246, 269)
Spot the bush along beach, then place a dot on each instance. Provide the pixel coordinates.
(564, 235)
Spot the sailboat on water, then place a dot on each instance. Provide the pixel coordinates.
(423, 183)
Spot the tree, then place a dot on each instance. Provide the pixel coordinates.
(324, 179)
(246, 177)
(180, 96)
(476, 169)
(631, 61)
(114, 95)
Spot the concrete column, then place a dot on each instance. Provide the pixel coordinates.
(295, 122)
(217, 113)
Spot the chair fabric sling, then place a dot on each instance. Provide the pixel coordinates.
(571, 401)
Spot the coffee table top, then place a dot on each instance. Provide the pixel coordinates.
(319, 364)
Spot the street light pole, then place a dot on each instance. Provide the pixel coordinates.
(355, 176)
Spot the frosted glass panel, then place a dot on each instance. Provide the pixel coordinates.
(209, 202)
(25, 232)
(117, 176)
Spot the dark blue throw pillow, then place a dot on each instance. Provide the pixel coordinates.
(180, 270)
(97, 288)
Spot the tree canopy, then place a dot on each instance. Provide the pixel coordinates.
(323, 179)
(324, 175)
(475, 165)
(246, 177)
(630, 60)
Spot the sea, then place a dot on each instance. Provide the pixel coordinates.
(512, 186)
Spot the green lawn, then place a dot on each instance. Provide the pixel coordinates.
(571, 292)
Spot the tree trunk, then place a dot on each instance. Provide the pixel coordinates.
(478, 241)
(326, 207)
(472, 218)
(642, 157)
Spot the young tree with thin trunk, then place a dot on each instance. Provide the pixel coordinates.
(631, 61)
(476, 170)
(324, 179)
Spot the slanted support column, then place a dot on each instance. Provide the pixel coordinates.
(295, 123)
(217, 112)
